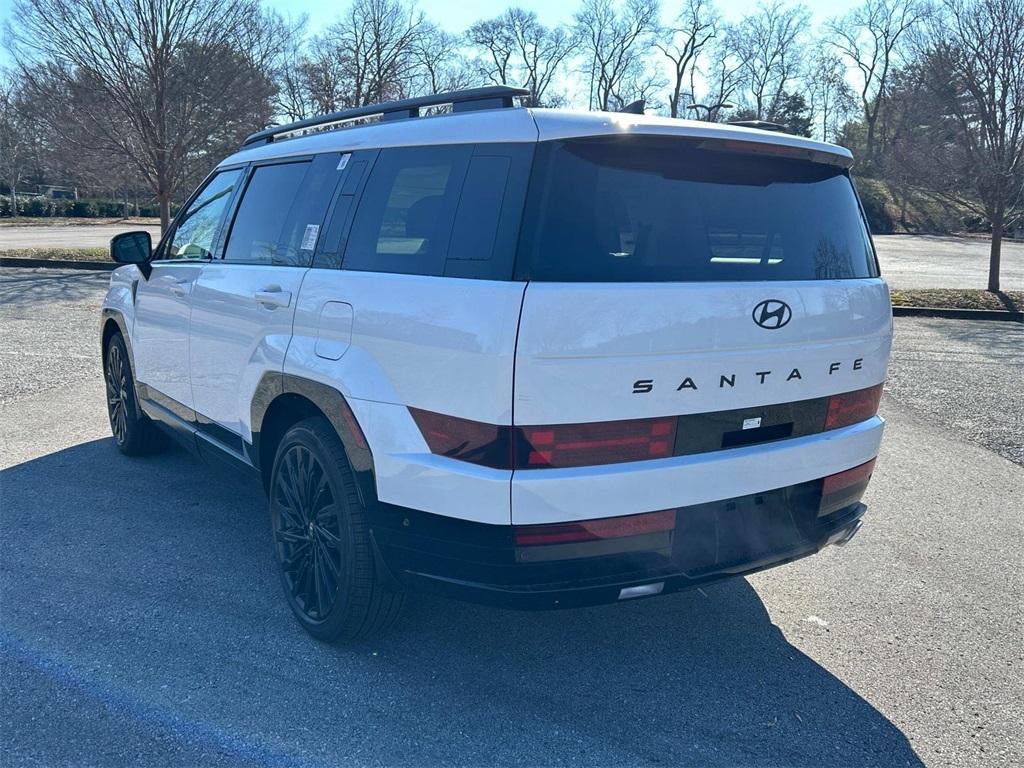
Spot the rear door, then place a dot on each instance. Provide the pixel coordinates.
(669, 279)
(163, 302)
(243, 303)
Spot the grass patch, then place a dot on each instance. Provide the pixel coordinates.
(959, 298)
(58, 254)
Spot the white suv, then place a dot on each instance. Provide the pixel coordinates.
(525, 357)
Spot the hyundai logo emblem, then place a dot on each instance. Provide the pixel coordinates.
(772, 314)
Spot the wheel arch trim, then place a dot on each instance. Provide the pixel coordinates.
(273, 386)
(109, 315)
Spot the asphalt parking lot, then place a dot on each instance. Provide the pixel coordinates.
(935, 261)
(18, 236)
(141, 620)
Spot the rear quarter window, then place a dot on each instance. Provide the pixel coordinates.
(642, 209)
(404, 219)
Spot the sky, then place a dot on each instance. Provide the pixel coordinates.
(456, 15)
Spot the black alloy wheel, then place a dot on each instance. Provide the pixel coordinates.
(133, 431)
(117, 393)
(322, 539)
(308, 534)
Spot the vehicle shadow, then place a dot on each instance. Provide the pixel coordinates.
(148, 587)
(24, 288)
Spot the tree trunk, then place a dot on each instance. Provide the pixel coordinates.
(14, 202)
(165, 211)
(996, 249)
(869, 149)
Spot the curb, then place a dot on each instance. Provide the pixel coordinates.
(104, 266)
(958, 314)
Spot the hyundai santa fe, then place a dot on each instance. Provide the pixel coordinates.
(526, 357)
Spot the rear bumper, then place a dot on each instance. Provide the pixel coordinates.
(733, 537)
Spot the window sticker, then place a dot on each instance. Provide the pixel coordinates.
(309, 238)
(344, 161)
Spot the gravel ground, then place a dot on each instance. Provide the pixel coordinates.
(141, 619)
(966, 375)
(49, 327)
(928, 261)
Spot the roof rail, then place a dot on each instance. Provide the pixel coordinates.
(489, 97)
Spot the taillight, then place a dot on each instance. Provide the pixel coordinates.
(593, 530)
(844, 488)
(464, 439)
(587, 445)
(852, 407)
(537, 447)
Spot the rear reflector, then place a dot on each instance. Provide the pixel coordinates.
(844, 488)
(587, 445)
(593, 530)
(841, 481)
(852, 407)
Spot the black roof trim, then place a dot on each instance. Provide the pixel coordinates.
(762, 125)
(489, 97)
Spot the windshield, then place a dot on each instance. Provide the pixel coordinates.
(654, 209)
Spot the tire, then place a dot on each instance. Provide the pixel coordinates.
(322, 539)
(133, 431)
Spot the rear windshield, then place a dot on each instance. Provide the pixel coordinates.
(654, 210)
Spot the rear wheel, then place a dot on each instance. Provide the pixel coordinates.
(322, 539)
(133, 431)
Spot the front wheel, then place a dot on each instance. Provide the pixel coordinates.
(322, 539)
(133, 431)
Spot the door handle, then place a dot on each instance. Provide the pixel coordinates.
(179, 287)
(273, 297)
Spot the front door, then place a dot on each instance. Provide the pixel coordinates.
(163, 301)
(243, 303)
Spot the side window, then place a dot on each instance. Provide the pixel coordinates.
(303, 227)
(486, 229)
(255, 236)
(195, 231)
(476, 223)
(404, 219)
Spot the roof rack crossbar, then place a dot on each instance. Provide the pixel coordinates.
(489, 97)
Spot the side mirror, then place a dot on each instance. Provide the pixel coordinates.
(132, 248)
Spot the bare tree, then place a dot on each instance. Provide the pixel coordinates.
(294, 97)
(159, 83)
(380, 36)
(769, 43)
(614, 39)
(441, 65)
(724, 77)
(829, 95)
(516, 49)
(978, 58)
(683, 42)
(324, 73)
(869, 38)
(16, 137)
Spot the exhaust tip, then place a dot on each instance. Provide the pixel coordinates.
(845, 536)
(642, 591)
